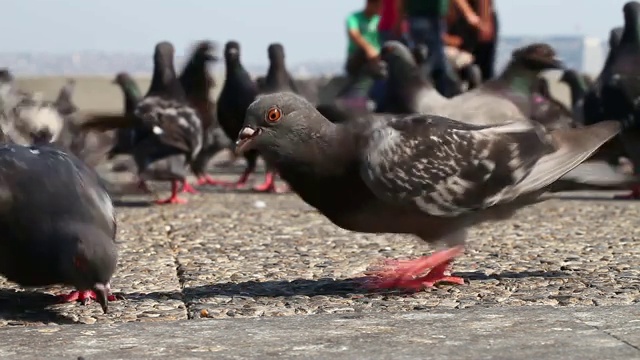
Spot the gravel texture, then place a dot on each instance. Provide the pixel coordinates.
(232, 254)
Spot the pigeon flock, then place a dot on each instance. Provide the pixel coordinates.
(415, 162)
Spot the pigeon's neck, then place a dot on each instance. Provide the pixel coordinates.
(519, 79)
(195, 78)
(131, 96)
(165, 82)
(631, 33)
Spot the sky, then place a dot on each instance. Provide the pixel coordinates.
(310, 30)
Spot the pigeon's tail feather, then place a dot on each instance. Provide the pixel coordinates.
(573, 146)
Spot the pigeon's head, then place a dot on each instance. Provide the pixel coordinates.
(278, 120)
(631, 12)
(398, 58)
(232, 51)
(537, 56)
(122, 78)
(5, 76)
(275, 52)
(163, 53)
(205, 51)
(89, 259)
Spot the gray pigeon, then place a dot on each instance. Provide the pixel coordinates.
(26, 118)
(57, 221)
(498, 100)
(413, 174)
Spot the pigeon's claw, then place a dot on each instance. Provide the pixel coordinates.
(84, 297)
(173, 199)
(406, 274)
(187, 188)
(269, 184)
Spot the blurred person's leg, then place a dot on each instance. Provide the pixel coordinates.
(485, 53)
(429, 31)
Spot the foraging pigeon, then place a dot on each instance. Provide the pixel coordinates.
(415, 174)
(238, 92)
(57, 222)
(197, 84)
(25, 118)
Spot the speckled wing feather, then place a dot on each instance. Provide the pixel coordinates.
(447, 168)
(175, 123)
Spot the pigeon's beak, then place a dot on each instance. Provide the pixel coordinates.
(558, 63)
(245, 138)
(102, 293)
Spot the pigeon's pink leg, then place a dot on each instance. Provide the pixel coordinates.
(269, 184)
(187, 188)
(208, 180)
(173, 199)
(405, 274)
(83, 296)
(635, 194)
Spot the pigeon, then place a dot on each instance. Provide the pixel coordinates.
(57, 221)
(545, 108)
(26, 118)
(197, 84)
(238, 92)
(617, 90)
(278, 79)
(127, 137)
(64, 102)
(419, 174)
(578, 88)
(168, 131)
(500, 99)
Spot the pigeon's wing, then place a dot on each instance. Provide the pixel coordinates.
(93, 192)
(175, 124)
(446, 168)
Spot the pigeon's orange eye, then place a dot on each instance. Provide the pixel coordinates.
(274, 114)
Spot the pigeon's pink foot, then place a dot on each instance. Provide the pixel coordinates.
(173, 199)
(633, 195)
(187, 188)
(208, 180)
(269, 184)
(405, 274)
(83, 296)
(242, 181)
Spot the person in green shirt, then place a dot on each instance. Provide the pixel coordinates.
(362, 28)
(362, 31)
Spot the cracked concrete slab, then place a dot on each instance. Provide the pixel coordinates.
(476, 333)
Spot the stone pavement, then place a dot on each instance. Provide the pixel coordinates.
(597, 333)
(197, 277)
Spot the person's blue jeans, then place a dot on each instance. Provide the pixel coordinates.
(429, 31)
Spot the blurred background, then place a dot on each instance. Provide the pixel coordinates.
(79, 37)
